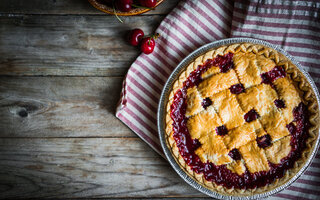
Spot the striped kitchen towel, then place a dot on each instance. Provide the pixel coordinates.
(292, 24)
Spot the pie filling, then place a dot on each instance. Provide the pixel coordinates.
(235, 143)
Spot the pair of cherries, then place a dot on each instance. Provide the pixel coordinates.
(147, 44)
(126, 5)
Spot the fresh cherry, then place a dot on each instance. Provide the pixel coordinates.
(147, 45)
(124, 5)
(148, 3)
(135, 36)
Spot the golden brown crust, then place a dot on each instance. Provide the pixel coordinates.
(260, 97)
(286, 89)
(228, 108)
(274, 124)
(266, 59)
(193, 102)
(241, 135)
(278, 150)
(217, 83)
(246, 69)
(203, 123)
(237, 167)
(254, 157)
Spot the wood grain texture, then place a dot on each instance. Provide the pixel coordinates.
(88, 167)
(61, 67)
(59, 7)
(32, 45)
(60, 107)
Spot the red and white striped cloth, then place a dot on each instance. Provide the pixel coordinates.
(292, 24)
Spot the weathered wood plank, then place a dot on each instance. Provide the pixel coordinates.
(68, 45)
(66, 7)
(87, 167)
(60, 107)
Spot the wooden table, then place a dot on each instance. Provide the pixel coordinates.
(62, 63)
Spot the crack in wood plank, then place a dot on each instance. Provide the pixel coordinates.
(60, 107)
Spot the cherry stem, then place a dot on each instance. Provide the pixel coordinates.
(156, 35)
(137, 6)
(115, 13)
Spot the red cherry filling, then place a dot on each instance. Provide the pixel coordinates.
(272, 75)
(195, 144)
(222, 130)
(299, 112)
(237, 88)
(235, 154)
(264, 141)
(225, 62)
(206, 102)
(279, 103)
(135, 36)
(300, 115)
(251, 115)
(220, 174)
(291, 128)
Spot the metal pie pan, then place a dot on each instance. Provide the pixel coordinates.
(162, 114)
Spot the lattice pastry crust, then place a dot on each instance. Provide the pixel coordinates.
(306, 94)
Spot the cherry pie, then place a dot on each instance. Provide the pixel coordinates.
(241, 119)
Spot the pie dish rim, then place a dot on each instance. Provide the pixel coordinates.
(161, 119)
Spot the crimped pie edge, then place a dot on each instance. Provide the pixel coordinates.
(296, 76)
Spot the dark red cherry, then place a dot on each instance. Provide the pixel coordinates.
(124, 5)
(135, 36)
(225, 62)
(292, 128)
(222, 130)
(277, 72)
(264, 141)
(265, 78)
(147, 45)
(195, 144)
(148, 3)
(235, 154)
(279, 103)
(206, 102)
(299, 112)
(237, 88)
(251, 115)
(272, 75)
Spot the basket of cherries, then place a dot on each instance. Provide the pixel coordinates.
(125, 7)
